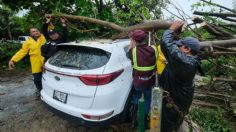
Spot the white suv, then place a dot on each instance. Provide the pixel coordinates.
(91, 80)
(22, 39)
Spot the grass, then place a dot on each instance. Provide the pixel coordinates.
(210, 120)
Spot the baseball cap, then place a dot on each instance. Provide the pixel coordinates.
(138, 35)
(52, 32)
(191, 42)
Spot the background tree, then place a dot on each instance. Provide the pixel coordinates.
(6, 20)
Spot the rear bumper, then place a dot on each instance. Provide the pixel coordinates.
(81, 121)
(74, 111)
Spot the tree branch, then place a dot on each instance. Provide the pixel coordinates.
(209, 2)
(222, 15)
(147, 26)
(222, 43)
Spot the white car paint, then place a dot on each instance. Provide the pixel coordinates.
(108, 100)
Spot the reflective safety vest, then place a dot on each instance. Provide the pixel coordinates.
(143, 68)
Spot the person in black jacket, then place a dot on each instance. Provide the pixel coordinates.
(53, 37)
(177, 77)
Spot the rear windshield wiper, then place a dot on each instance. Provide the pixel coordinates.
(68, 65)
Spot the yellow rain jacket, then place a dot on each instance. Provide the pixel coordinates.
(34, 49)
(161, 61)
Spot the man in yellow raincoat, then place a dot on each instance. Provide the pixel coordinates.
(32, 46)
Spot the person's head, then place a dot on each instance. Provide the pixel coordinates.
(138, 36)
(35, 33)
(53, 34)
(189, 46)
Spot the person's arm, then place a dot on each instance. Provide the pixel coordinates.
(64, 31)
(19, 55)
(44, 30)
(168, 43)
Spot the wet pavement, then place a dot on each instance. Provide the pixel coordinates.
(21, 112)
(16, 94)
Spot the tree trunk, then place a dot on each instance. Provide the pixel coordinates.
(222, 43)
(147, 26)
(9, 32)
(215, 4)
(214, 14)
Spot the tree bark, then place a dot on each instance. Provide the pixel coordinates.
(9, 32)
(210, 2)
(224, 79)
(223, 53)
(214, 14)
(227, 25)
(222, 43)
(216, 31)
(212, 29)
(223, 49)
(147, 26)
(205, 104)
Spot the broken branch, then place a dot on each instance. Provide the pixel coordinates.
(214, 14)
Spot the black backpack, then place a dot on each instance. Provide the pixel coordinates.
(48, 50)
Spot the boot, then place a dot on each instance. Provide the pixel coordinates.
(134, 116)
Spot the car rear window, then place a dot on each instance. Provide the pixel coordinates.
(81, 58)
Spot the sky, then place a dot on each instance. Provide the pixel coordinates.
(186, 6)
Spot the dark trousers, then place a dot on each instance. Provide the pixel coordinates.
(147, 92)
(38, 80)
(170, 118)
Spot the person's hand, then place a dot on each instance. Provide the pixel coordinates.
(48, 18)
(11, 65)
(132, 44)
(176, 26)
(63, 21)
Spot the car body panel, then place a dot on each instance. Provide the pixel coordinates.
(91, 100)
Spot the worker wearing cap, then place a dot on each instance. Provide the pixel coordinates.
(32, 47)
(177, 77)
(53, 37)
(143, 59)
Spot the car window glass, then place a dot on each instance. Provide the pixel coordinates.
(81, 58)
(21, 38)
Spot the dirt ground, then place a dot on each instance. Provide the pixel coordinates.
(21, 112)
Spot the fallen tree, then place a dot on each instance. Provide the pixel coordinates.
(123, 31)
(220, 6)
(147, 26)
(222, 43)
(214, 14)
(212, 29)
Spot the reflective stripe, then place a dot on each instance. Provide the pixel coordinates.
(143, 68)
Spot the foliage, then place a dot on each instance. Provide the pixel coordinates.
(7, 50)
(210, 120)
(224, 66)
(124, 12)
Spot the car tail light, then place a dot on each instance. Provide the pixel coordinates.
(94, 80)
(97, 117)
